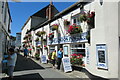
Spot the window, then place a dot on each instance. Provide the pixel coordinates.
(76, 19)
(2, 7)
(78, 49)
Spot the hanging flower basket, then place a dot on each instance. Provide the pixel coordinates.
(51, 36)
(66, 22)
(45, 47)
(43, 32)
(37, 39)
(90, 19)
(38, 46)
(29, 35)
(55, 27)
(38, 34)
(83, 17)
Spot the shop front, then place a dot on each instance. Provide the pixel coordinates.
(73, 47)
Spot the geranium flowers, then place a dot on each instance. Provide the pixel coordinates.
(73, 29)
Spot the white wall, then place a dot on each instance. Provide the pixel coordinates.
(24, 30)
(105, 32)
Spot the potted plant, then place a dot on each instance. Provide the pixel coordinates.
(83, 17)
(76, 59)
(38, 34)
(37, 56)
(66, 22)
(45, 47)
(37, 39)
(51, 36)
(55, 27)
(90, 19)
(43, 32)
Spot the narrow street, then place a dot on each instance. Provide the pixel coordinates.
(31, 69)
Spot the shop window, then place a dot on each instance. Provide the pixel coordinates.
(78, 49)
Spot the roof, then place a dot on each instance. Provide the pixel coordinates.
(41, 14)
(64, 12)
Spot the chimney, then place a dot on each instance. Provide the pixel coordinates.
(50, 10)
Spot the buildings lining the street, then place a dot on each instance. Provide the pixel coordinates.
(5, 23)
(87, 28)
(18, 40)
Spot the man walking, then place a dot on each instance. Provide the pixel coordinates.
(12, 57)
(59, 58)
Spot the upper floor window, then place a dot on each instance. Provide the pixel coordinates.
(2, 7)
(76, 20)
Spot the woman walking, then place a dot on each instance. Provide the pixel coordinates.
(53, 58)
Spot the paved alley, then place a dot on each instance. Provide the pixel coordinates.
(31, 69)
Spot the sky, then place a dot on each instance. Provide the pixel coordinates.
(20, 12)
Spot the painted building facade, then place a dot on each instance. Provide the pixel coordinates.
(5, 23)
(97, 49)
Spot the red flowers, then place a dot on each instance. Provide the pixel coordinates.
(76, 59)
(45, 46)
(74, 29)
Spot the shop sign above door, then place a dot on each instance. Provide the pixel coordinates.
(69, 39)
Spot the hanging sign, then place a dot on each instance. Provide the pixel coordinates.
(101, 56)
(66, 64)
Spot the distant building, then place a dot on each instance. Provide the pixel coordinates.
(18, 40)
(12, 41)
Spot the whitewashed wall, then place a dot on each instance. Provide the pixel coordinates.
(24, 30)
(105, 32)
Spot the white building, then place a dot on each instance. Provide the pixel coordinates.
(18, 40)
(34, 20)
(101, 52)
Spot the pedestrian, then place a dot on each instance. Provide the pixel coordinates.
(30, 52)
(12, 57)
(59, 58)
(25, 52)
(53, 58)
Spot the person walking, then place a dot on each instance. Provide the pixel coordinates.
(59, 58)
(12, 57)
(53, 58)
(25, 52)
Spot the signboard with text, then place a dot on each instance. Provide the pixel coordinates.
(69, 39)
(66, 64)
(43, 59)
(101, 56)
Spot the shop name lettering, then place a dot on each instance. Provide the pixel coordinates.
(69, 39)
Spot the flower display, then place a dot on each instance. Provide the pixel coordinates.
(45, 47)
(40, 33)
(76, 59)
(66, 22)
(37, 39)
(55, 27)
(51, 35)
(38, 46)
(37, 56)
(88, 17)
(73, 29)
